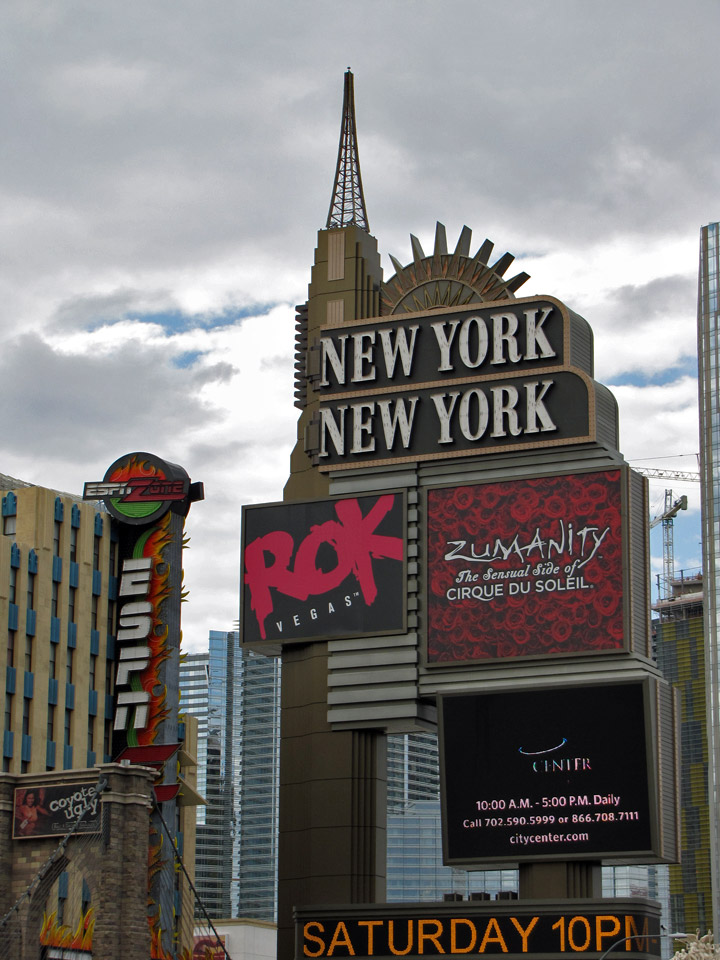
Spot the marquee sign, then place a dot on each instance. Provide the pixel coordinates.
(503, 376)
(525, 568)
(323, 568)
(519, 335)
(560, 773)
(509, 929)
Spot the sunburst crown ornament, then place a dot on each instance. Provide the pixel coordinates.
(448, 280)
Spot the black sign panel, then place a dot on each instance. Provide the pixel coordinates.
(476, 342)
(554, 773)
(525, 928)
(459, 419)
(323, 568)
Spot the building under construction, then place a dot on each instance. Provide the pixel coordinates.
(679, 648)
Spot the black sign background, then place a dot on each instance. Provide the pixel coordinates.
(527, 774)
(341, 610)
(567, 402)
(427, 358)
(511, 929)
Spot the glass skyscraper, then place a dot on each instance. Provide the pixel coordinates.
(709, 403)
(204, 682)
(415, 869)
(236, 697)
(259, 751)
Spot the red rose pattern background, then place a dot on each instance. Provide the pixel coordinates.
(586, 617)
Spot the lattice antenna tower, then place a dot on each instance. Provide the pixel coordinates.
(347, 206)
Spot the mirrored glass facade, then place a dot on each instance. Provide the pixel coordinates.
(709, 402)
(415, 870)
(258, 705)
(236, 697)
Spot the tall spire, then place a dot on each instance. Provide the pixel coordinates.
(347, 205)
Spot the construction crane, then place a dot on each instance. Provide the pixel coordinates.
(666, 518)
(667, 474)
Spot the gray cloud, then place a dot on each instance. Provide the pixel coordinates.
(57, 400)
(659, 297)
(178, 158)
(92, 310)
(176, 145)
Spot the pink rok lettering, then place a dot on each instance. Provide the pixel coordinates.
(269, 559)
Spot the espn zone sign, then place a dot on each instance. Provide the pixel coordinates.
(135, 626)
(140, 488)
(137, 489)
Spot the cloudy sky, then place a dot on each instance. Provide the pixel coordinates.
(166, 164)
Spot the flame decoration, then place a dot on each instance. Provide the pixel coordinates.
(54, 934)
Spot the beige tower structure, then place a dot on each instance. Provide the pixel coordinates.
(331, 846)
(57, 597)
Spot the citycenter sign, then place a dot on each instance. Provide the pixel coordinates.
(502, 376)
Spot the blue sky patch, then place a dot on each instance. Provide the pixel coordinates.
(174, 321)
(658, 378)
(187, 359)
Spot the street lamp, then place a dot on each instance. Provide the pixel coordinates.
(643, 936)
